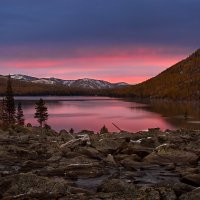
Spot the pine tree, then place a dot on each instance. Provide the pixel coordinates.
(10, 102)
(103, 130)
(41, 113)
(20, 115)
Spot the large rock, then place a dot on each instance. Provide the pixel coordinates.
(116, 185)
(181, 188)
(89, 152)
(137, 149)
(110, 160)
(65, 136)
(194, 195)
(83, 170)
(120, 157)
(106, 146)
(192, 179)
(30, 186)
(167, 153)
(160, 193)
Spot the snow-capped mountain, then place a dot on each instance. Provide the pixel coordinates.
(23, 77)
(80, 83)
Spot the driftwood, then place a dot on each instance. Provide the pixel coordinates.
(117, 127)
(76, 142)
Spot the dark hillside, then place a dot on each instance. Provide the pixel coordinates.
(179, 82)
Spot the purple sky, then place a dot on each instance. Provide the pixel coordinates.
(114, 40)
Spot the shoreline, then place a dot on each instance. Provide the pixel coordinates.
(85, 165)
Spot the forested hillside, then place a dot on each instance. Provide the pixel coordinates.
(181, 81)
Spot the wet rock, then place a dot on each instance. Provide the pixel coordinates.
(54, 158)
(181, 188)
(188, 171)
(130, 164)
(192, 179)
(90, 152)
(22, 153)
(156, 194)
(148, 142)
(110, 160)
(74, 171)
(171, 167)
(72, 144)
(106, 146)
(137, 149)
(193, 195)
(120, 157)
(86, 170)
(76, 190)
(116, 185)
(65, 135)
(32, 186)
(30, 165)
(168, 153)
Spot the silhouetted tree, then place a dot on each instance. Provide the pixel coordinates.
(20, 115)
(104, 129)
(10, 102)
(71, 131)
(41, 113)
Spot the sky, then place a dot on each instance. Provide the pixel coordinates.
(113, 40)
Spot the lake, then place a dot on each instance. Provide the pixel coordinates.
(91, 113)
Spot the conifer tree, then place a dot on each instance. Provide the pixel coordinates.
(10, 102)
(41, 113)
(20, 115)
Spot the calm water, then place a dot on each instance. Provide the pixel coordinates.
(92, 113)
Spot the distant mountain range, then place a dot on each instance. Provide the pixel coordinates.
(85, 83)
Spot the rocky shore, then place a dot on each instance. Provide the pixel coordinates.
(148, 165)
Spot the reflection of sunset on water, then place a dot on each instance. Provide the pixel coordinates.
(92, 113)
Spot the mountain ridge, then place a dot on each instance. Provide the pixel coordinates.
(85, 83)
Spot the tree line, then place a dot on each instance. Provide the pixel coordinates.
(10, 114)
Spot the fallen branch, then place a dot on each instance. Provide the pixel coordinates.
(117, 127)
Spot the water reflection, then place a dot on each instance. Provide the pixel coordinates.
(180, 114)
(93, 112)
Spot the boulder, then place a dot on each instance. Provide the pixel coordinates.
(74, 171)
(30, 186)
(72, 144)
(89, 152)
(181, 188)
(110, 160)
(192, 179)
(120, 157)
(106, 145)
(168, 153)
(137, 149)
(159, 193)
(193, 195)
(116, 185)
(65, 135)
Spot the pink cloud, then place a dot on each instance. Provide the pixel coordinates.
(113, 64)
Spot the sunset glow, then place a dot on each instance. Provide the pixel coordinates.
(135, 65)
(115, 41)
